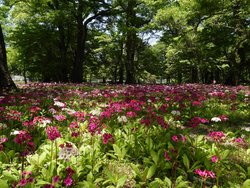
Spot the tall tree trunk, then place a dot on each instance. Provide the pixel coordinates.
(77, 73)
(121, 67)
(130, 42)
(6, 82)
(63, 55)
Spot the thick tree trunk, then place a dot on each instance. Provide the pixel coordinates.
(130, 43)
(121, 65)
(77, 73)
(63, 55)
(6, 83)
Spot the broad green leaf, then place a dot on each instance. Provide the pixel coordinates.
(121, 181)
(186, 161)
(3, 184)
(136, 170)
(154, 156)
(151, 171)
(9, 176)
(168, 181)
(90, 177)
(246, 184)
(41, 182)
(225, 154)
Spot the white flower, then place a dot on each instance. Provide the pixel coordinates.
(16, 132)
(175, 112)
(59, 104)
(44, 123)
(67, 151)
(122, 119)
(69, 111)
(2, 126)
(96, 112)
(216, 119)
(52, 111)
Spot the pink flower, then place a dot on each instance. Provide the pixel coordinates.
(216, 135)
(183, 138)
(70, 171)
(68, 181)
(214, 159)
(22, 182)
(22, 137)
(196, 103)
(73, 125)
(240, 141)
(56, 179)
(107, 137)
(131, 114)
(79, 115)
(204, 174)
(167, 157)
(52, 133)
(60, 117)
(223, 118)
(175, 138)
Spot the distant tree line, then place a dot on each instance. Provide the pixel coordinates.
(81, 40)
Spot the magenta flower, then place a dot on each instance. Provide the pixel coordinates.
(22, 182)
(214, 159)
(70, 171)
(216, 135)
(205, 174)
(52, 133)
(107, 137)
(68, 181)
(22, 137)
(56, 179)
(60, 117)
(175, 138)
(167, 157)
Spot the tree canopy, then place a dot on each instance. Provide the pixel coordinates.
(84, 40)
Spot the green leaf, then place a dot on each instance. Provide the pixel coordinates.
(154, 156)
(90, 177)
(186, 161)
(121, 181)
(41, 182)
(246, 184)
(136, 170)
(168, 181)
(151, 171)
(225, 154)
(9, 176)
(3, 184)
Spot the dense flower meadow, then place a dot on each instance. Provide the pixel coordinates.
(65, 135)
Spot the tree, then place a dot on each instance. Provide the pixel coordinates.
(6, 82)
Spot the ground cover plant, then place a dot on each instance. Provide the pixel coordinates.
(62, 135)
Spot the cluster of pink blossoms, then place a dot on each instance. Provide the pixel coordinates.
(107, 137)
(216, 136)
(195, 121)
(205, 173)
(52, 133)
(26, 178)
(68, 181)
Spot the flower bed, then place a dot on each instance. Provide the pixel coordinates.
(62, 135)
